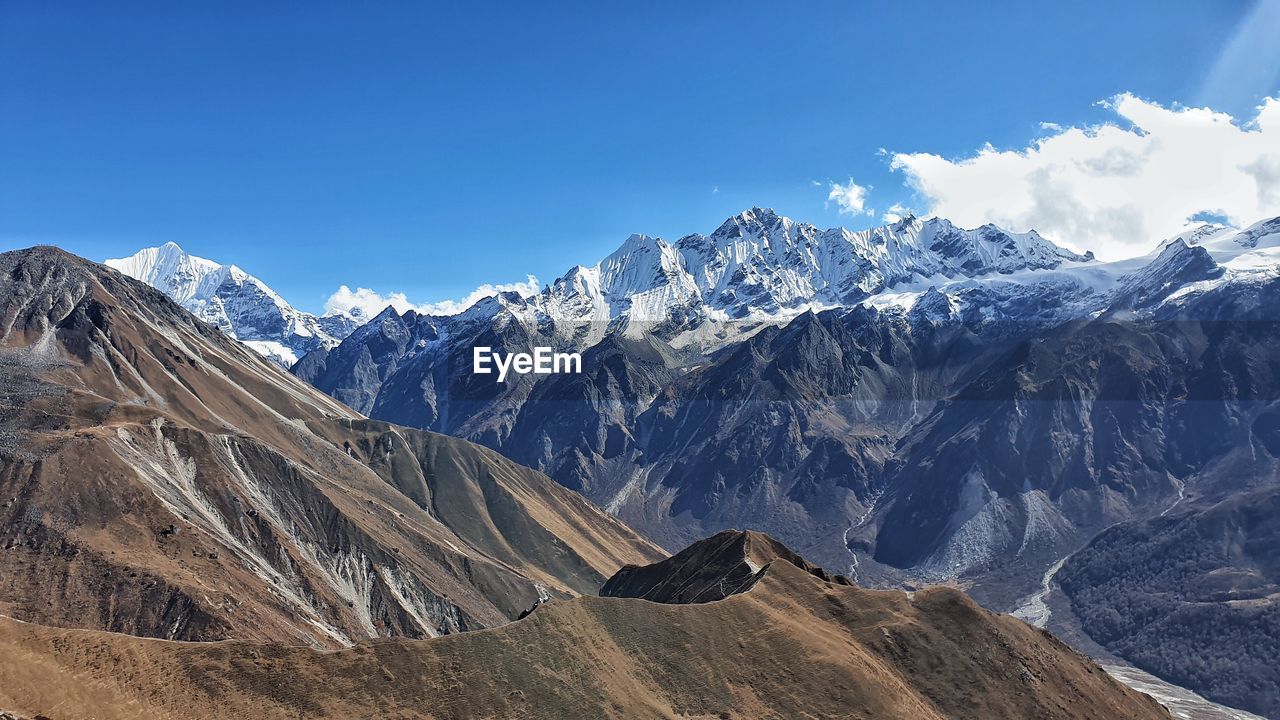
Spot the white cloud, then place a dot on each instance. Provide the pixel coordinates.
(370, 302)
(1115, 189)
(850, 197)
(896, 212)
(365, 301)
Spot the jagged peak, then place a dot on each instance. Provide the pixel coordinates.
(751, 221)
(1180, 252)
(1178, 264)
(907, 222)
(390, 312)
(511, 297)
(759, 214)
(636, 242)
(1194, 235)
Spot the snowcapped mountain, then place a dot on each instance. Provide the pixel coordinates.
(237, 303)
(698, 292)
(683, 300)
(758, 264)
(760, 268)
(1251, 256)
(769, 350)
(913, 403)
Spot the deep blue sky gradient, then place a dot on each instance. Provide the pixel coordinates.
(428, 148)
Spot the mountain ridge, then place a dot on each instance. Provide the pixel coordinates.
(164, 480)
(791, 644)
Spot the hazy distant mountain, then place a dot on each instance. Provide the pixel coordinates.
(239, 304)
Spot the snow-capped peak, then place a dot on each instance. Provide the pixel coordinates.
(179, 275)
(761, 266)
(236, 302)
(1196, 235)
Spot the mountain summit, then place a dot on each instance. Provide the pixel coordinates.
(239, 304)
(759, 265)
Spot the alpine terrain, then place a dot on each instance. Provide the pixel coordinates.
(914, 403)
(160, 480)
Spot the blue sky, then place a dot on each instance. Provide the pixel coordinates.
(430, 148)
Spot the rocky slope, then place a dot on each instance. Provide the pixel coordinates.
(158, 479)
(792, 644)
(239, 304)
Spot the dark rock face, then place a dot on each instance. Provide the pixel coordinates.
(1059, 434)
(354, 372)
(569, 424)
(1177, 265)
(791, 429)
(928, 443)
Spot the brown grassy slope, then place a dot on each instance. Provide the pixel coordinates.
(157, 478)
(793, 646)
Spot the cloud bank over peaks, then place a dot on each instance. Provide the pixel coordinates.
(368, 303)
(1116, 188)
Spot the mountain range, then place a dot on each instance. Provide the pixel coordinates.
(163, 483)
(910, 404)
